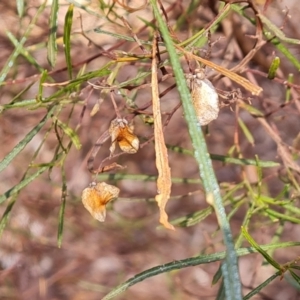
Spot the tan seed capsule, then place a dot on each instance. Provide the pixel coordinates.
(122, 134)
(96, 196)
(204, 96)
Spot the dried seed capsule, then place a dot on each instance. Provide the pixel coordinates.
(122, 133)
(204, 96)
(96, 196)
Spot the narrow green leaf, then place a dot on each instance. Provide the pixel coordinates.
(67, 38)
(140, 76)
(268, 258)
(70, 133)
(182, 20)
(228, 159)
(86, 7)
(28, 103)
(195, 40)
(274, 67)
(76, 82)
(22, 184)
(193, 218)
(6, 214)
(20, 8)
(17, 97)
(276, 31)
(259, 170)
(146, 22)
(87, 76)
(11, 60)
(246, 131)
(44, 76)
(252, 110)
(274, 214)
(62, 209)
(120, 36)
(259, 175)
(18, 148)
(142, 177)
(261, 286)
(24, 52)
(277, 236)
(52, 44)
(14, 192)
(286, 52)
(291, 208)
(274, 40)
(288, 93)
(33, 103)
(217, 277)
(188, 262)
(295, 277)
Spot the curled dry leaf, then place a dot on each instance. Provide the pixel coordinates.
(96, 196)
(204, 96)
(164, 181)
(122, 134)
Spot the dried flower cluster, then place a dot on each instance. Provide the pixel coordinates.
(97, 195)
(122, 134)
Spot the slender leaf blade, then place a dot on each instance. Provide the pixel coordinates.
(229, 268)
(22, 184)
(6, 214)
(62, 209)
(268, 258)
(274, 67)
(20, 8)
(246, 131)
(21, 145)
(70, 133)
(261, 286)
(52, 43)
(11, 60)
(67, 38)
(188, 262)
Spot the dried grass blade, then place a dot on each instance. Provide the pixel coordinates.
(254, 89)
(164, 181)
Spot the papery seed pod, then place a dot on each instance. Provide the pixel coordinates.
(122, 133)
(96, 196)
(204, 96)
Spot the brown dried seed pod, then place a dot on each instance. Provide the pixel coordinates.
(122, 133)
(204, 96)
(96, 196)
